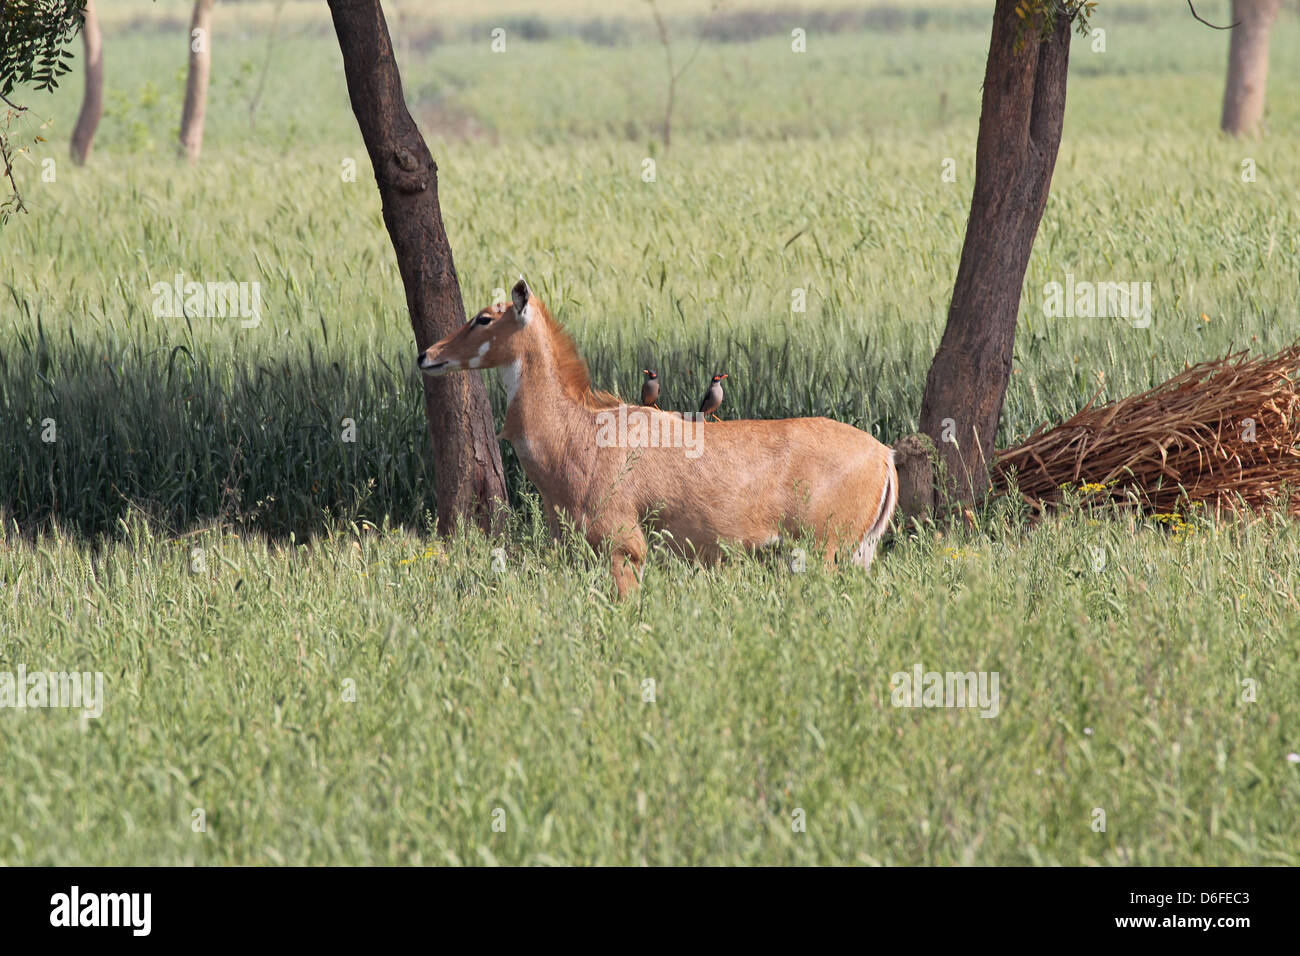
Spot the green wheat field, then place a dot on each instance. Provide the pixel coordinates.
(297, 671)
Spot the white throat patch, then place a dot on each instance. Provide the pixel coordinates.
(510, 378)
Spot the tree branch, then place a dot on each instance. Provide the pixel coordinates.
(18, 204)
(1207, 22)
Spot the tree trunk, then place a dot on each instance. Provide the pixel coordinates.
(1243, 94)
(92, 103)
(196, 84)
(470, 482)
(1021, 115)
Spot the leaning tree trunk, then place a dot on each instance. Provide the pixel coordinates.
(1020, 129)
(469, 480)
(1243, 94)
(92, 103)
(196, 84)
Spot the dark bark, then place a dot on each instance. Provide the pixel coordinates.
(1020, 130)
(469, 479)
(1243, 94)
(913, 457)
(92, 103)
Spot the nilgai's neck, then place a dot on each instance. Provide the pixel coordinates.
(543, 418)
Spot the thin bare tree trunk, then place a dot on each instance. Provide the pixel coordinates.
(256, 100)
(196, 84)
(470, 481)
(1021, 117)
(674, 73)
(1243, 94)
(92, 103)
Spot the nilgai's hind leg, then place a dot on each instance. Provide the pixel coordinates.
(865, 552)
(626, 557)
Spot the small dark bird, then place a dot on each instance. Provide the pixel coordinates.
(650, 388)
(713, 397)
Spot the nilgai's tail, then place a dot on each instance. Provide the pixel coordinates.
(888, 501)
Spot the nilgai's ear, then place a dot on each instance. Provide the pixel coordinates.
(520, 295)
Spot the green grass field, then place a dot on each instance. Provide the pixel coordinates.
(287, 648)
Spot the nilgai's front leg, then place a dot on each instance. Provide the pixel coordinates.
(626, 557)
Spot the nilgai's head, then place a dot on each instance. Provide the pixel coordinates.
(490, 339)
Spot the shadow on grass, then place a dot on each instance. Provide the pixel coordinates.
(96, 428)
(277, 444)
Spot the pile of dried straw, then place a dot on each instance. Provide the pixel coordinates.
(1222, 433)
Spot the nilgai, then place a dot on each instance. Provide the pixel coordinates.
(615, 469)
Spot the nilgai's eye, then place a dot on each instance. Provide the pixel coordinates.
(484, 319)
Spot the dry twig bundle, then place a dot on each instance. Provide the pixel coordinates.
(1222, 433)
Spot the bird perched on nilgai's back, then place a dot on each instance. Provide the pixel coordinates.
(650, 388)
(713, 396)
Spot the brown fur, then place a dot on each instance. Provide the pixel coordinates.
(571, 370)
(753, 482)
